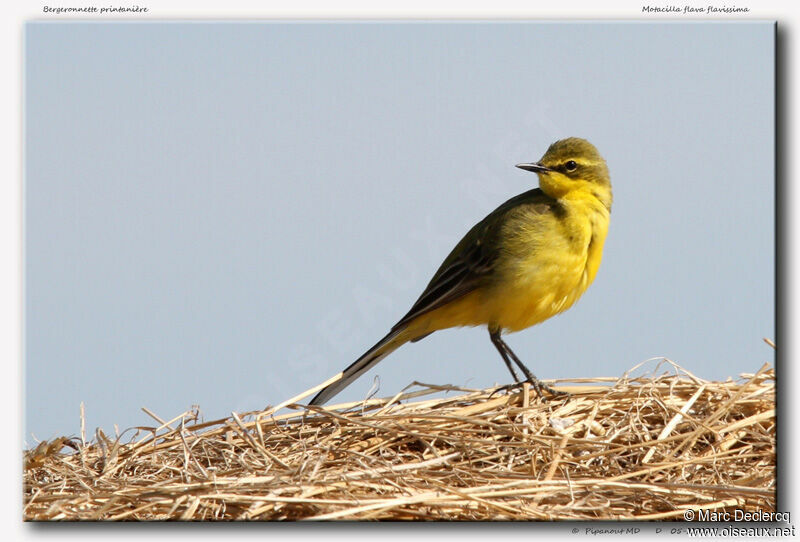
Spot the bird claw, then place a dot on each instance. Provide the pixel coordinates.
(537, 385)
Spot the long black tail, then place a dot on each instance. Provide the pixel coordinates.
(394, 340)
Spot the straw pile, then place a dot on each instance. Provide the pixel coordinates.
(645, 447)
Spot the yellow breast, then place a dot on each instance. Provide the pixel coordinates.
(548, 263)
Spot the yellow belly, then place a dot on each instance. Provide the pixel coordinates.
(544, 269)
(545, 292)
(512, 307)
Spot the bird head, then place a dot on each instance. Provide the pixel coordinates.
(569, 165)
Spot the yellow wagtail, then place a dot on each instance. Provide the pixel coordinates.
(530, 259)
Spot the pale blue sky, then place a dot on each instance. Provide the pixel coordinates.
(226, 214)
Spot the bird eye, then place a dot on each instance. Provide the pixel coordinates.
(571, 165)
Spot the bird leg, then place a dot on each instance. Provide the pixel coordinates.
(501, 346)
(505, 353)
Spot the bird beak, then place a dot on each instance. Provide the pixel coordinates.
(536, 168)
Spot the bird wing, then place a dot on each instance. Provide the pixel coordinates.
(473, 259)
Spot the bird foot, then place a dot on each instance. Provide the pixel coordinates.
(537, 385)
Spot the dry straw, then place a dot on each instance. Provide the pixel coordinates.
(647, 447)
